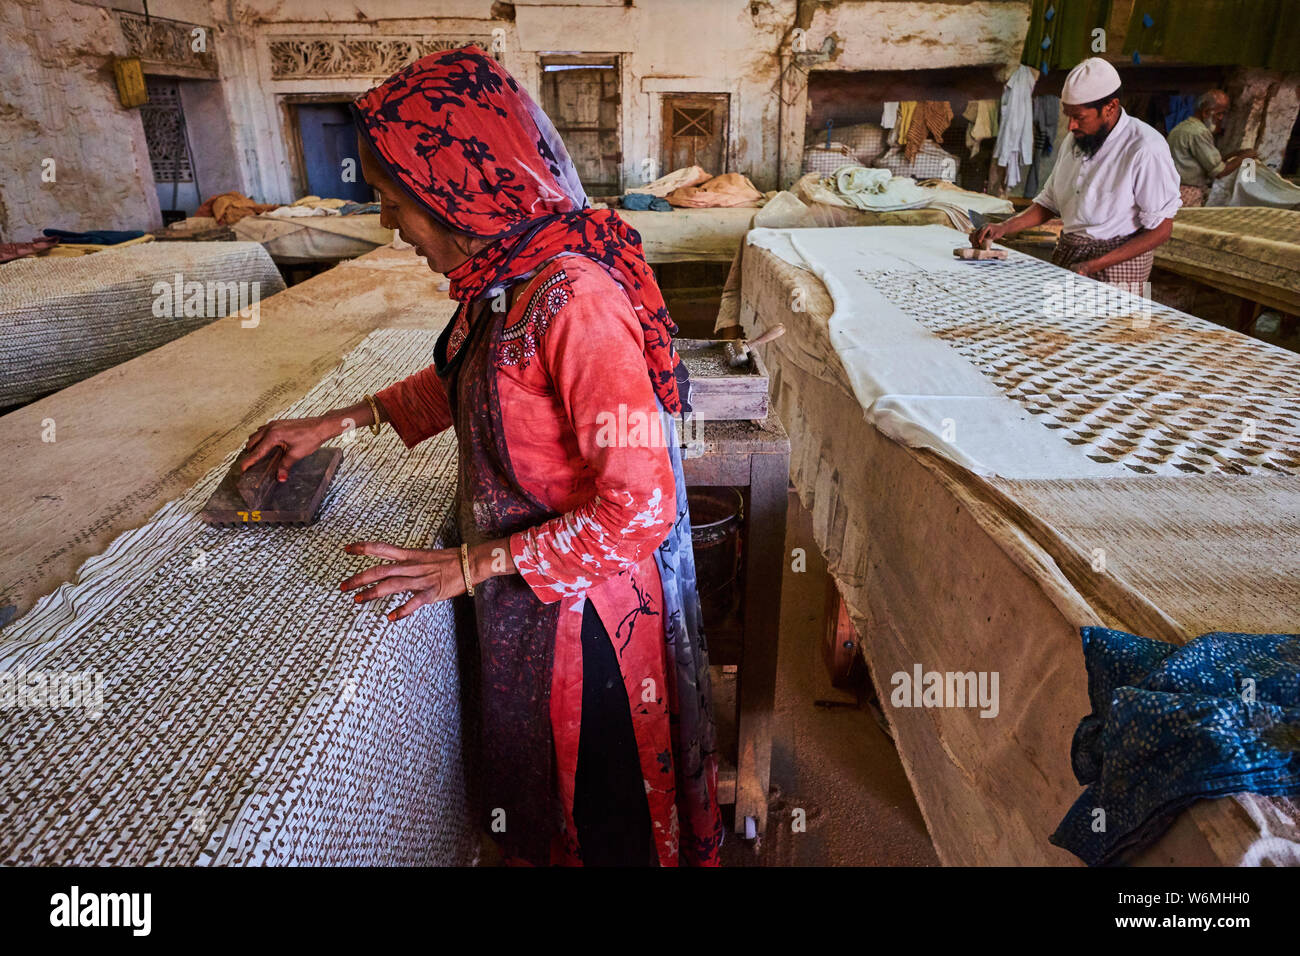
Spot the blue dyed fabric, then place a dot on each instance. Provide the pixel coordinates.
(1171, 725)
(98, 237)
(644, 201)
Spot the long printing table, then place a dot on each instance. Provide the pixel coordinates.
(947, 562)
(1249, 251)
(229, 705)
(65, 319)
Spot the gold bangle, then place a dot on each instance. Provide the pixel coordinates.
(374, 411)
(464, 568)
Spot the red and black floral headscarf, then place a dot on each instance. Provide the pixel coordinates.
(467, 142)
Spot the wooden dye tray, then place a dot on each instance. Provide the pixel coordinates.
(719, 392)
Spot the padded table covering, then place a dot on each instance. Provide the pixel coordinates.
(65, 319)
(315, 238)
(958, 572)
(252, 713)
(690, 235)
(1250, 251)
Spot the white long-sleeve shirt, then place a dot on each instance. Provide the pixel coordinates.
(1129, 184)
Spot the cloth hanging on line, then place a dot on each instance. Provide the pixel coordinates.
(982, 119)
(1046, 112)
(1015, 146)
(906, 109)
(931, 119)
(889, 116)
(1172, 725)
(1179, 108)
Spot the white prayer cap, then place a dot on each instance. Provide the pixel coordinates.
(1090, 81)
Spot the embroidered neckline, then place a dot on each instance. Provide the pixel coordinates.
(519, 341)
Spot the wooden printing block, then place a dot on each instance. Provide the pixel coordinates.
(720, 392)
(966, 252)
(290, 502)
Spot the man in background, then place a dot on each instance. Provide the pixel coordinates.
(1196, 158)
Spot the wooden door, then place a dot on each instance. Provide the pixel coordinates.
(328, 138)
(695, 132)
(581, 96)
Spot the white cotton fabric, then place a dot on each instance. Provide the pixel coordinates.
(878, 189)
(1254, 184)
(1130, 183)
(910, 383)
(1019, 369)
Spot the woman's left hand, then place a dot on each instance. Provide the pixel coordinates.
(431, 575)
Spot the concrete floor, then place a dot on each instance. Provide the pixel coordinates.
(835, 763)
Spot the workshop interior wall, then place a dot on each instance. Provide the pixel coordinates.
(60, 117)
(61, 98)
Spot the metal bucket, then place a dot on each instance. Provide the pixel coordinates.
(716, 515)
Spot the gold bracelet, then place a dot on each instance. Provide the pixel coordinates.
(374, 411)
(464, 568)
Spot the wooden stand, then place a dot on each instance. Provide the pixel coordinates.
(756, 458)
(840, 639)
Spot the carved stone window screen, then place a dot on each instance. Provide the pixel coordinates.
(164, 131)
(295, 58)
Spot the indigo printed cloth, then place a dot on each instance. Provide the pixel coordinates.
(1171, 725)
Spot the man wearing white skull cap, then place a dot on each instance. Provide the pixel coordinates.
(1114, 185)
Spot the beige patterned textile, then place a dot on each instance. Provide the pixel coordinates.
(65, 319)
(1251, 251)
(251, 713)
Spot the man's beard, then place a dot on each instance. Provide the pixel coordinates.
(1087, 144)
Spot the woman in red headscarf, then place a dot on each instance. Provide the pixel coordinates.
(558, 373)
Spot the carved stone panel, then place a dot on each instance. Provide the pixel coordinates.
(294, 58)
(169, 46)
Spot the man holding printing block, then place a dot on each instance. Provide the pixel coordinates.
(1114, 186)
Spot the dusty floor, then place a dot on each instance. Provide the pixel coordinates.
(834, 763)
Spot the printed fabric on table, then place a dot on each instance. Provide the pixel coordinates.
(1171, 725)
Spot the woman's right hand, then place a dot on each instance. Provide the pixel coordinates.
(298, 436)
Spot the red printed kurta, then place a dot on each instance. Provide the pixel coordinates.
(583, 435)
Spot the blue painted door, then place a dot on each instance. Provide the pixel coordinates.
(328, 139)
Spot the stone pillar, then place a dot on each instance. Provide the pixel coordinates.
(1264, 107)
(793, 116)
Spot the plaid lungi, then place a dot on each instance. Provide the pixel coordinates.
(1193, 195)
(1132, 274)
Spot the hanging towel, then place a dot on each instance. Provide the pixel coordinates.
(906, 109)
(1171, 725)
(1047, 110)
(982, 117)
(931, 119)
(1015, 146)
(1180, 107)
(890, 115)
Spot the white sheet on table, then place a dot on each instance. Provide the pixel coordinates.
(911, 384)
